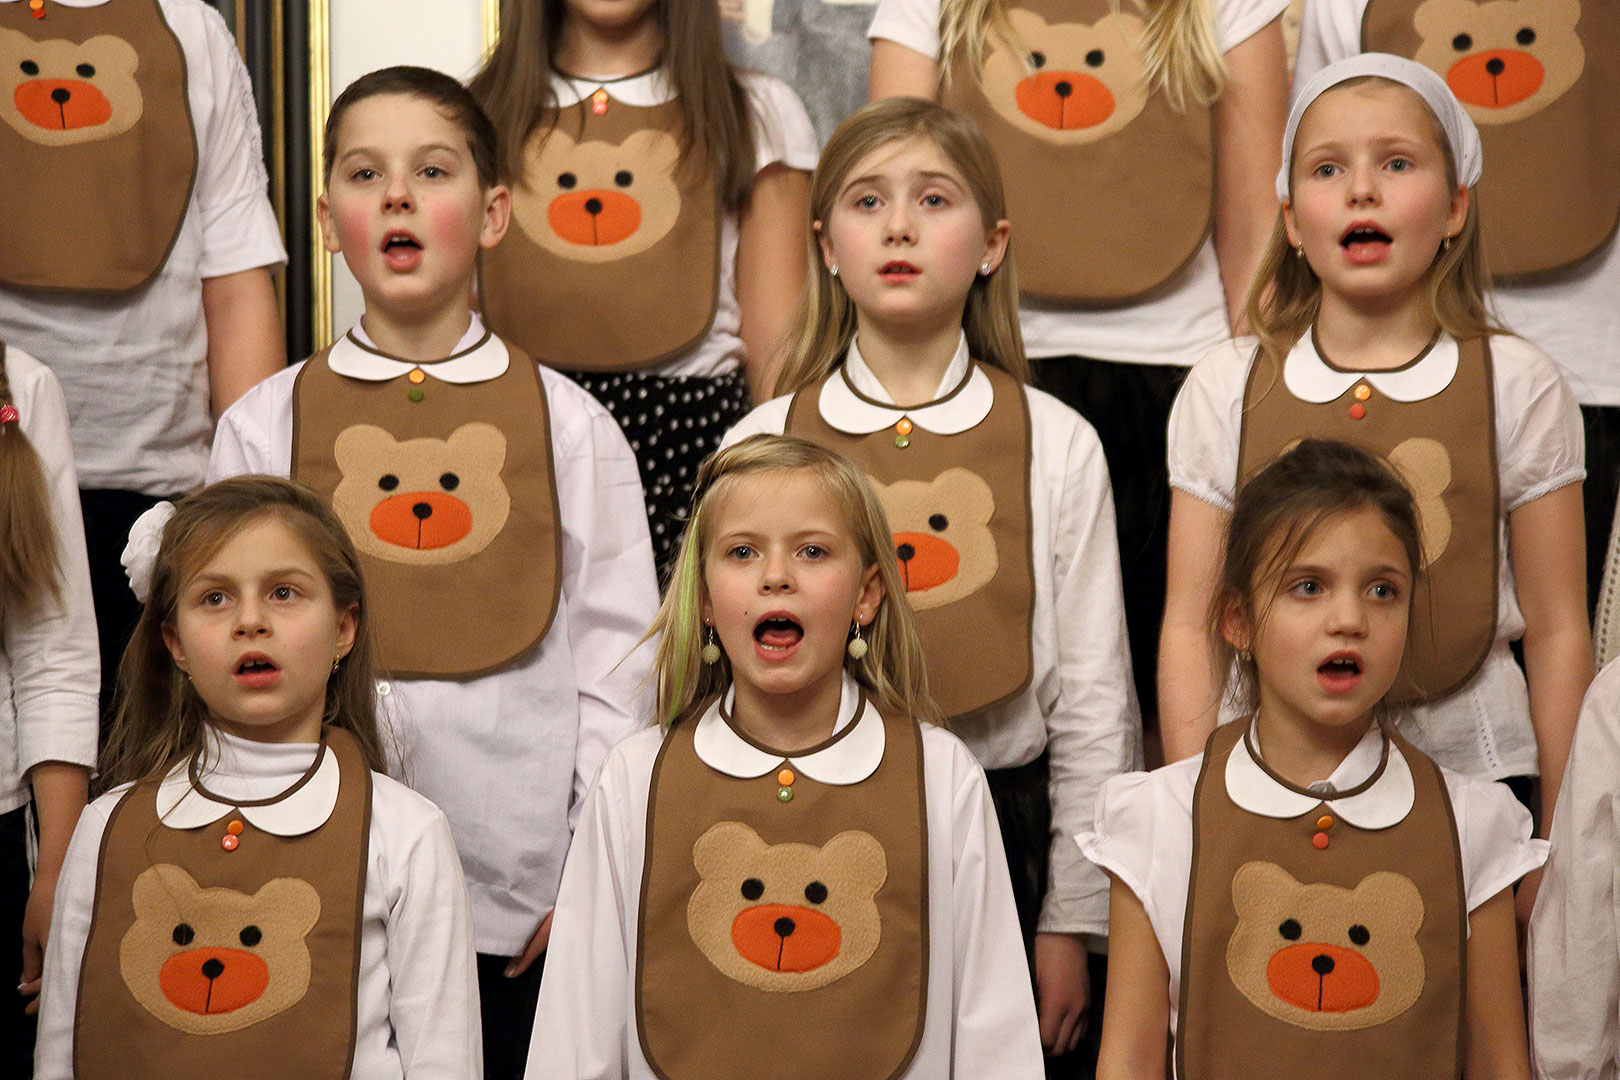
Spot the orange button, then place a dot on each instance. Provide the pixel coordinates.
(1357, 411)
(234, 828)
(1324, 822)
(785, 778)
(1320, 840)
(229, 842)
(416, 375)
(1363, 392)
(903, 427)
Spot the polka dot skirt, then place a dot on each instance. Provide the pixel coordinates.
(672, 424)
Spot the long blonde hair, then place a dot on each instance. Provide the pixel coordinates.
(1286, 294)
(892, 671)
(28, 545)
(1181, 56)
(824, 320)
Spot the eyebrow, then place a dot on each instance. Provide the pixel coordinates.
(372, 151)
(876, 178)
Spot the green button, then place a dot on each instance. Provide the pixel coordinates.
(784, 794)
(901, 441)
(415, 393)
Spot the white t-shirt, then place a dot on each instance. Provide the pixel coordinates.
(134, 367)
(782, 133)
(1080, 704)
(1144, 836)
(1573, 314)
(417, 1013)
(980, 1014)
(1484, 728)
(1184, 317)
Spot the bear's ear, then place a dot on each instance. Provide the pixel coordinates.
(113, 55)
(1392, 899)
(293, 901)
(159, 888)
(549, 146)
(968, 493)
(725, 846)
(648, 149)
(1439, 19)
(855, 859)
(1562, 13)
(361, 447)
(1259, 887)
(480, 445)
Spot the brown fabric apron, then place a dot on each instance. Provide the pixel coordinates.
(1316, 963)
(959, 506)
(96, 134)
(1544, 88)
(243, 962)
(449, 494)
(771, 930)
(613, 259)
(1445, 449)
(1109, 188)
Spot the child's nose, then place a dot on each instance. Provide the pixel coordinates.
(899, 227)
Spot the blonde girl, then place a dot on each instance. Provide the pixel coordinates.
(48, 676)
(250, 872)
(657, 196)
(1372, 322)
(788, 824)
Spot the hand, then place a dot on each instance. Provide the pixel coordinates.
(1063, 986)
(531, 952)
(36, 927)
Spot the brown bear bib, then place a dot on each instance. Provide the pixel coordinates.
(1541, 78)
(97, 138)
(613, 259)
(1444, 447)
(1314, 949)
(226, 950)
(1121, 183)
(449, 494)
(959, 506)
(780, 915)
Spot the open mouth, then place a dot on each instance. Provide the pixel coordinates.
(396, 241)
(256, 669)
(778, 633)
(401, 250)
(1341, 671)
(899, 268)
(1364, 234)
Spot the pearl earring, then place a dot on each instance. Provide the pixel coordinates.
(857, 647)
(711, 649)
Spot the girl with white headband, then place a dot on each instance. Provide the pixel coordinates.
(1373, 328)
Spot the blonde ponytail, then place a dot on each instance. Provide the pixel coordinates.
(28, 571)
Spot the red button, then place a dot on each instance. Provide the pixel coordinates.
(1320, 840)
(229, 841)
(1357, 411)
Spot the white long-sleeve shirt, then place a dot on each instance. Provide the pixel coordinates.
(509, 755)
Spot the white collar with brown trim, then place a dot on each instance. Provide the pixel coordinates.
(478, 357)
(645, 90)
(1310, 378)
(855, 402)
(1383, 803)
(183, 805)
(850, 756)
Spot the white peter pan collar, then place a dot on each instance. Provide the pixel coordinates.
(851, 755)
(1375, 774)
(1310, 378)
(302, 808)
(478, 357)
(854, 401)
(644, 90)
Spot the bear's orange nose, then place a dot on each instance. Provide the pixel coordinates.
(211, 981)
(925, 561)
(1496, 79)
(594, 218)
(62, 104)
(1065, 100)
(1322, 978)
(421, 519)
(782, 937)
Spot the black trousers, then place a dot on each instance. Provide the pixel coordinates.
(507, 1007)
(108, 516)
(16, 1029)
(1602, 484)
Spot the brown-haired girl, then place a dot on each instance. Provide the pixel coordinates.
(793, 876)
(1313, 895)
(906, 357)
(657, 196)
(252, 875)
(1373, 327)
(48, 676)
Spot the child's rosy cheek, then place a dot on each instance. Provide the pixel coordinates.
(450, 227)
(353, 227)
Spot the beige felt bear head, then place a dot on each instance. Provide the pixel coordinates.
(595, 201)
(208, 961)
(427, 502)
(1066, 83)
(58, 93)
(1324, 957)
(942, 535)
(785, 917)
(1504, 59)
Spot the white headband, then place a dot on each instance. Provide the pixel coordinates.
(1457, 124)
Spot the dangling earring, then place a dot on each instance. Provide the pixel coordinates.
(1299, 252)
(1244, 656)
(711, 649)
(833, 269)
(856, 647)
(336, 660)
(1445, 245)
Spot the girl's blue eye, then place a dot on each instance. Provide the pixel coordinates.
(740, 551)
(867, 202)
(814, 551)
(433, 172)
(934, 200)
(1400, 165)
(1324, 170)
(1384, 590)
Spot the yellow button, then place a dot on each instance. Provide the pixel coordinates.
(785, 778)
(1324, 822)
(1363, 392)
(416, 375)
(903, 427)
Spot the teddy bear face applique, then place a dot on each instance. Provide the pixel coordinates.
(1504, 59)
(786, 917)
(59, 93)
(212, 960)
(942, 536)
(596, 202)
(1324, 957)
(1066, 82)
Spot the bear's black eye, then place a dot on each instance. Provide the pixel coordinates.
(567, 180)
(183, 933)
(623, 178)
(753, 889)
(1037, 59)
(815, 892)
(1290, 929)
(86, 71)
(1094, 58)
(1525, 36)
(29, 67)
(1359, 934)
(449, 481)
(251, 936)
(389, 482)
(1462, 43)
(938, 522)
